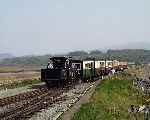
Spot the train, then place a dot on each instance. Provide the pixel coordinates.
(62, 71)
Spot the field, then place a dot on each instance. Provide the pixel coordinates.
(112, 100)
(18, 75)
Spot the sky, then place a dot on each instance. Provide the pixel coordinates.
(58, 26)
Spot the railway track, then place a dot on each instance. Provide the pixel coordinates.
(21, 96)
(21, 106)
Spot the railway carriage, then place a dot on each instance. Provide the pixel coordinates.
(123, 65)
(101, 67)
(88, 70)
(116, 65)
(78, 65)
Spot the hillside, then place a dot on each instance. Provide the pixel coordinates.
(131, 55)
(26, 60)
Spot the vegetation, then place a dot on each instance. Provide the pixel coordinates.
(18, 68)
(26, 61)
(95, 52)
(78, 53)
(17, 84)
(16, 75)
(111, 100)
(137, 55)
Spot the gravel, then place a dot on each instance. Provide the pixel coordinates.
(55, 110)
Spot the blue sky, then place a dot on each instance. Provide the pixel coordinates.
(58, 26)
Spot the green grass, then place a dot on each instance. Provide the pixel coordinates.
(112, 100)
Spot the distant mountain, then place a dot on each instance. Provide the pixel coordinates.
(5, 55)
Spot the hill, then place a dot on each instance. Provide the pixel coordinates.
(26, 60)
(131, 55)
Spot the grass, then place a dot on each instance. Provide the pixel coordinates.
(18, 76)
(137, 70)
(17, 84)
(111, 100)
(16, 69)
(6, 78)
(18, 80)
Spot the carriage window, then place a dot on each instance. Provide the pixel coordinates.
(88, 65)
(109, 63)
(76, 65)
(101, 63)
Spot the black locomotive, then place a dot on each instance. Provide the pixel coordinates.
(61, 71)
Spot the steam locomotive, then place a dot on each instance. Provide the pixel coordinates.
(63, 71)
